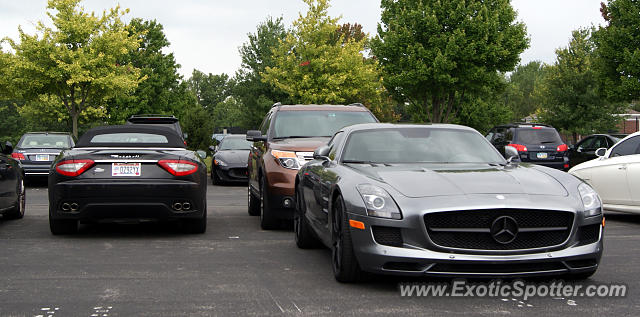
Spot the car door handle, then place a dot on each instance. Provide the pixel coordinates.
(623, 167)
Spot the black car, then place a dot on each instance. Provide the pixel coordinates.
(439, 200)
(159, 120)
(536, 143)
(12, 191)
(129, 172)
(229, 163)
(585, 149)
(36, 151)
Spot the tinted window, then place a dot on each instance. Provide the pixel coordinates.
(538, 136)
(334, 143)
(586, 143)
(419, 145)
(316, 123)
(146, 138)
(235, 144)
(264, 128)
(49, 141)
(628, 147)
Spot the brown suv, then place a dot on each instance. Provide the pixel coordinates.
(286, 141)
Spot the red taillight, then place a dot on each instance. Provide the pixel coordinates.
(18, 156)
(518, 147)
(73, 167)
(179, 167)
(562, 148)
(537, 128)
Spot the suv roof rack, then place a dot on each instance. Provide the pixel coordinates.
(277, 104)
(517, 124)
(152, 115)
(357, 104)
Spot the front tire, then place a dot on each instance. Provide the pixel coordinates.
(305, 238)
(345, 265)
(268, 221)
(18, 211)
(215, 179)
(253, 204)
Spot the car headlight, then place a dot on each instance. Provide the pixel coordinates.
(219, 162)
(590, 200)
(286, 159)
(378, 202)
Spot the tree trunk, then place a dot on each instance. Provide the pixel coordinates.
(74, 119)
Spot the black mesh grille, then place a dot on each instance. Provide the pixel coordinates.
(238, 172)
(589, 234)
(480, 222)
(387, 236)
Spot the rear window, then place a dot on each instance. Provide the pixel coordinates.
(44, 141)
(316, 123)
(132, 138)
(537, 136)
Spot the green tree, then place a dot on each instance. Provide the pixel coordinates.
(570, 90)
(519, 95)
(79, 62)
(435, 54)
(256, 96)
(210, 89)
(312, 66)
(618, 50)
(159, 93)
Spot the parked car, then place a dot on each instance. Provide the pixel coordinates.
(12, 191)
(615, 174)
(439, 200)
(286, 140)
(129, 172)
(585, 149)
(36, 151)
(159, 120)
(535, 143)
(229, 163)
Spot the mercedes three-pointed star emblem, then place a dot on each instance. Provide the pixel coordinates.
(504, 229)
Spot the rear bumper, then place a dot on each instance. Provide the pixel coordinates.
(560, 165)
(36, 169)
(149, 199)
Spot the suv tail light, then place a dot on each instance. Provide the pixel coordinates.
(518, 147)
(179, 167)
(562, 148)
(18, 156)
(73, 167)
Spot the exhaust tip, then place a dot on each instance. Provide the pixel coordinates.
(73, 206)
(186, 206)
(177, 206)
(66, 207)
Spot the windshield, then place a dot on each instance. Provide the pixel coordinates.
(538, 136)
(45, 141)
(235, 144)
(316, 123)
(146, 138)
(419, 145)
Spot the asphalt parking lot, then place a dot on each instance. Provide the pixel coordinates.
(235, 268)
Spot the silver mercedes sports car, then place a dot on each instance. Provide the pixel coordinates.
(440, 200)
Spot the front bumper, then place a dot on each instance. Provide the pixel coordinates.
(147, 199)
(232, 173)
(415, 257)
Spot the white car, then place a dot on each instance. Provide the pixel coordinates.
(615, 174)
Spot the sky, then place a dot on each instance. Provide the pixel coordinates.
(206, 34)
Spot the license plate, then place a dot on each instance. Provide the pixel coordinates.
(126, 169)
(42, 157)
(542, 155)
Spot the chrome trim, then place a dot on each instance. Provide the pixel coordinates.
(126, 161)
(133, 148)
(495, 274)
(36, 173)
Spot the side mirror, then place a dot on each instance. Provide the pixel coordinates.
(8, 148)
(202, 153)
(601, 152)
(213, 149)
(572, 147)
(510, 153)
(322, 153)
(255, 136)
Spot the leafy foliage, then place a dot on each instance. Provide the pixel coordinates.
(519, 95)
(437, 54)
(618, 50)
(79, 62)
(313, 67)
(570, 91)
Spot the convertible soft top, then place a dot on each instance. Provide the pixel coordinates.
(131, 136)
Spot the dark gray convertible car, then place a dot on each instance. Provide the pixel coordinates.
(439, 200)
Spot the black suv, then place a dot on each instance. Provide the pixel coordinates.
(160, 120)
(536, 143)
